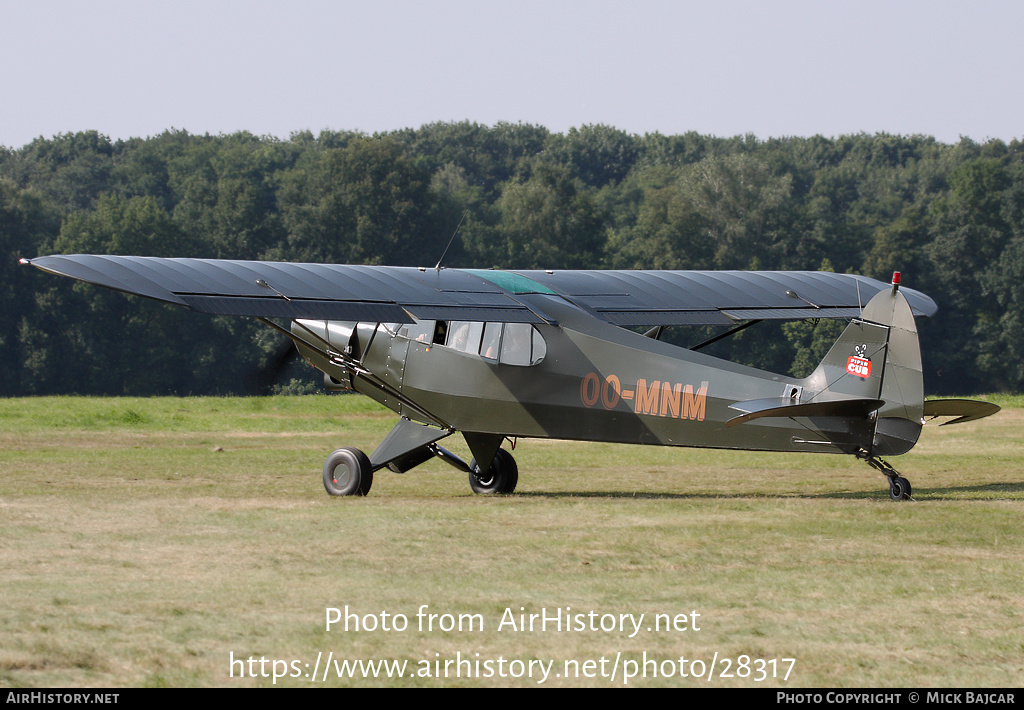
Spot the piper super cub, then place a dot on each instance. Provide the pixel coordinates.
(549, 354)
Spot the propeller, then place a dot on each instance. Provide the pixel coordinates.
(267, 374)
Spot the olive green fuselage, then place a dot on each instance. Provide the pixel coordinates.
(595, 382)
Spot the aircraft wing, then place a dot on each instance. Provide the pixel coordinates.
(720, 297)
(399, 294)
(383, 294)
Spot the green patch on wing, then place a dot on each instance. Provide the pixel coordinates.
(511, 282)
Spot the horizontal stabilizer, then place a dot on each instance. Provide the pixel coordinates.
(786, 407)
(967, 410)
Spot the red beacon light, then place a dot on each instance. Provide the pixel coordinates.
(895, 281)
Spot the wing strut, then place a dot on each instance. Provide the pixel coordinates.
(726, 334)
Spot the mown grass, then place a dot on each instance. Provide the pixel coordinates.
(144, 541)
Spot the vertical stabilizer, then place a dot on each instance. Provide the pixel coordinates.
(878, 357)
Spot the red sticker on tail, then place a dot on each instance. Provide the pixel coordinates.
(858, 366)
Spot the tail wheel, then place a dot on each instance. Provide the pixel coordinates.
(348, 472)
(501, 477)
(899, 487)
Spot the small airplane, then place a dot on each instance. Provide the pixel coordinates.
(502, 355)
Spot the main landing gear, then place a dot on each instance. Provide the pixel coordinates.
(500, 478)
(899, 487)
(349, 472)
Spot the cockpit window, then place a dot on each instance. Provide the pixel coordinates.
(524, 344)
(540, 348)
(465, 336)
(440, 332)
(491, 341)
(521, 344)
(516, 344)
(507, 343)
(421, 331)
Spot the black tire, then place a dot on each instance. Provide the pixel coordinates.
(899, 488)
(907, 490)
(348, 473)
(502, 476)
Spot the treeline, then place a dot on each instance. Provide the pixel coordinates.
(950, 217)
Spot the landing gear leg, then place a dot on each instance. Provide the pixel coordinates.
(899, 487)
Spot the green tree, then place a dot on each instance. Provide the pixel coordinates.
(548, 221)
(486, 156)
(669, 230)
(26, 220)
(136, 226)
(972, 235)
(365, 203)
(722, 212)
(71, 170)
(596, 154)
(898, 246)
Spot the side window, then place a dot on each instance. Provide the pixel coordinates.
(420, 331)
(507, 343)
(440, 332)
(491, 341)
(465, 336)
(540, 347)
(517, 344)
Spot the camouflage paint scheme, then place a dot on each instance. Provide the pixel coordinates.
(599, 382)
(549, 357)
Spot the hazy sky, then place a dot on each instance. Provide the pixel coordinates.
(771, 68)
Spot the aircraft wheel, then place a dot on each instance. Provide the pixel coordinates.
(907, 490)
(899, 488)
(502, 476)
(348, 472)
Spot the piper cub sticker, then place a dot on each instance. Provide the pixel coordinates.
(858, 365)
(659, 399)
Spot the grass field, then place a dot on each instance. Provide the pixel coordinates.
(148, 542)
